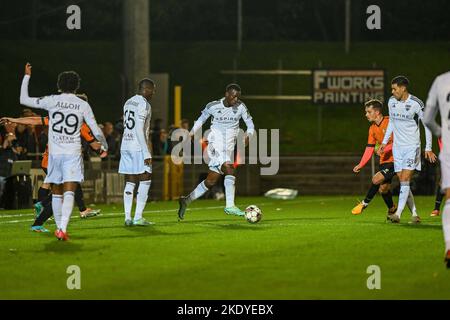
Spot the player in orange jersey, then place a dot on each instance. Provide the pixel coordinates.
(381, 181)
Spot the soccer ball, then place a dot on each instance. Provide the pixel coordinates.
(253, 214)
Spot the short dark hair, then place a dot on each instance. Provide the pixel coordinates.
(374, 103)
(68, 81)
(145, 82)
(233, 86)
(400, 81)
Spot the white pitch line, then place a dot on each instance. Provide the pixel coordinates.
(168, 210)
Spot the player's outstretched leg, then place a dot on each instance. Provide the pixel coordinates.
(79, 200)
(44, 198)
(369, 196)
(141, 201)
(195, 194)
(128, 194)
(38, 224)
(437, 202)
(387, 198)
(230, 189)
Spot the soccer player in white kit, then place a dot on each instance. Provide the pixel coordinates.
(439, 98)
(405, 112)
(66, 112)
(225, 113)
(135, 157)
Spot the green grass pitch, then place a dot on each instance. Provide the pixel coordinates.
(307, 248)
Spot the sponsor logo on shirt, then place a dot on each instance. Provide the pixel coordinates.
(226, 119)
(400, 116)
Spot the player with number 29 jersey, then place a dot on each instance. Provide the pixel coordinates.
(66, 114)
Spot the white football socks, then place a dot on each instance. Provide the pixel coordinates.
(411, 204)
(141, 198)
(57, 201)
(229, 190)
(402, 197)
(446, 224)
(67, 207)
(197, 192)
(128, 194)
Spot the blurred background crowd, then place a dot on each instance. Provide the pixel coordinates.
(22, 142)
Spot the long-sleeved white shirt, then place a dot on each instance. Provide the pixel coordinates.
(66, 114)
(404, 117)
(225, 119)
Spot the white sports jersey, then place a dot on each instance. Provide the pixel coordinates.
(66, 114)
(404, 117)
(136, 121)
(225, 119)
(439, 98)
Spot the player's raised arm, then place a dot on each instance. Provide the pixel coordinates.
(25, 99)
(431, 109)
(92, 123)
(201, 120)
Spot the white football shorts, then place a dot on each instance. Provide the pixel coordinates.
(220, 149)
(64, 168)
(406, 158)
(132, 162)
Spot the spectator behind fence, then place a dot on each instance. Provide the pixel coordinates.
(8, 155)
(112, 139)
(185, 124)
(43, 139)
(164, 145)
(21, 141)
(33, 134)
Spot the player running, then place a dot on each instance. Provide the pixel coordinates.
(439, 98)
(43, 208)
(225, 114)
(381, 181)
(136, 160)
(405, 111)
(67, 113)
